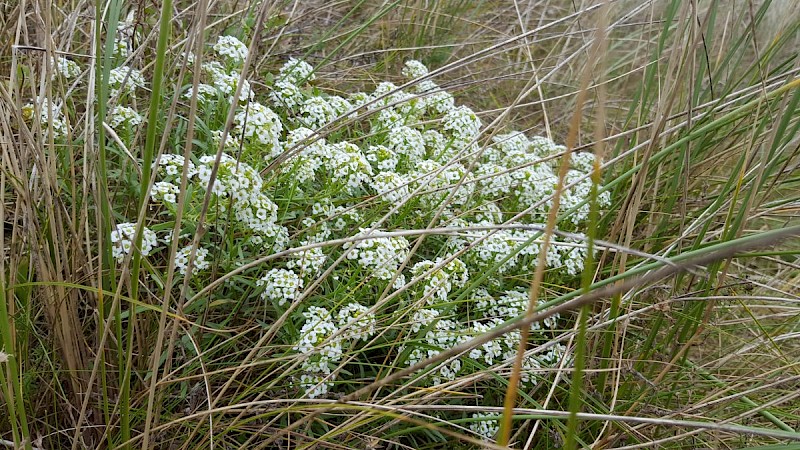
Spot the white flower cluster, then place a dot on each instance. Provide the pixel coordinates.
(121, 50)
(316, 112)
(348, 166)
(124, 115)
(309, 262)
(322, 340)
(391, 186)
(493, 249)
(232, 143)
(307, 157)
(260, 125)
(226, 81)
(462, 123)
(414, 69)
(408, 152)
(488, 314)
(200, 259)
(510, 305)
(340, 217)
(231, 49)
(205, 93)
(321, 349)
(440, 278)
(164, 191)
(122, 240)
(381, 158)
(440, 181)
(296, 71)
(422, 318)
(431, 97)
(236, 184)
(48, 113)
(483, 426)
(280, 285)
(357, 321)
(287, 90)
(170, 166)
(407, 143)
(441, 335)
(125, 80)
(574, 198)
(65, 67)
(569, 256)
(389, 97)
(234, 178)
(380, 256)
(583, 162)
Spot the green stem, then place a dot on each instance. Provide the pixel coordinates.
(164, 32)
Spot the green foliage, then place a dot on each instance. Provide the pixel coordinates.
(333, 211)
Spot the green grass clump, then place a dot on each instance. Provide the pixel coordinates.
(400, 225)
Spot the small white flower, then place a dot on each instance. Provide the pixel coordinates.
(357, 321)
(281, 285)
(296, 71)
(260, 124)
(125, 79)
(382, 256)
(231, 49)
(123, 114)
(484, 427)
(65, 67)
(165, 192)
(200, 261)
(414, 69)
(122, 238)
(48, 113)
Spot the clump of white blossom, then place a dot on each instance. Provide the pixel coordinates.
(67, 68)
(123, 237)
(261, 125)
(484, 426)
(296, 71)
(125, 80)
(284, 178)
(321, 349)
(50, 116)
(380, 256)
(200, 259)
(440, 278)
(280, 285)
(231, 49)
(226, 82)
(124, 115)
(164, 191)
(357, 321)
(205, 93)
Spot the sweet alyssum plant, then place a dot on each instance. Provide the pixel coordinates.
(359, 169)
